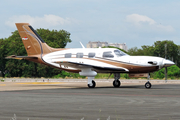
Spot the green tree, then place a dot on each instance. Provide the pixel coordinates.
(173, 72)
(54, 38)
(144, 50)
(172, 49)
(134, 51)
(3, 52)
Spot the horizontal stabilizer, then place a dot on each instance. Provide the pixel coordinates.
(20, 57)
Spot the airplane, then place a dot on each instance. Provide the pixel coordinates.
(87, 61)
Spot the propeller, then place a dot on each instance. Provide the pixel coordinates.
(167, 63)
(166, 74)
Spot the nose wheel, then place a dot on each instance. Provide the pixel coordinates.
(148, 85)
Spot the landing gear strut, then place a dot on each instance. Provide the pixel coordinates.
(148, 84)
(116, 82)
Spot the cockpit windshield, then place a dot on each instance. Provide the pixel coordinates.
(119, 53)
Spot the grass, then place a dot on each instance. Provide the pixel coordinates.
(2, 80)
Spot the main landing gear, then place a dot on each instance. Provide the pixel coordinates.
(116, 82)
(92, 85)
(91, 82)
(148, 84)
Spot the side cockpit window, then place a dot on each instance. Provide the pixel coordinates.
(108, 54)
(79, 55)
(119, 53)
(67, 55)
(91, 55)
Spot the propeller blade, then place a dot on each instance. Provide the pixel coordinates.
(166, 74)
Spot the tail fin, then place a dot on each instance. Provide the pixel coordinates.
(33, 43)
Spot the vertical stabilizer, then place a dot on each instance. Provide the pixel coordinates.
(33, 43)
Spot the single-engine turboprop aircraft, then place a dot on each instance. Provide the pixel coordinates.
(87, 61)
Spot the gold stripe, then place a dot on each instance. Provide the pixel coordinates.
(41, 83)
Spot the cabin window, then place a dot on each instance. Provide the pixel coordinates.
(68, 55)
(119, 53)
(79, 55)
(91, 55)
(108, 54)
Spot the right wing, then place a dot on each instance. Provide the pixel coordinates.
(98, 68)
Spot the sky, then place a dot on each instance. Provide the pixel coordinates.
(134, 22)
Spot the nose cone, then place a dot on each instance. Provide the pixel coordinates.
(167, 63)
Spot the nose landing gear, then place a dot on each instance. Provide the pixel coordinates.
(148, 84)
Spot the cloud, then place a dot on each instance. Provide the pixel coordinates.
(138, 19)
(145, 22)
(45, 21)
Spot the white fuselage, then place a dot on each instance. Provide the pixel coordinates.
(103, 58)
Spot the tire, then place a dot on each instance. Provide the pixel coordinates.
(116, 83)
(93, 84)
(148, 85)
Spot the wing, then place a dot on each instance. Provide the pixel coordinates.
(96, 68)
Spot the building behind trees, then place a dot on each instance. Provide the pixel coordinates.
(105, 44)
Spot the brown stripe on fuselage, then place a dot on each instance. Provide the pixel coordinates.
(40, 61)
(131, 67)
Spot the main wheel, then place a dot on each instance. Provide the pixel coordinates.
(148, 85)
(92, 85)
(116, 83)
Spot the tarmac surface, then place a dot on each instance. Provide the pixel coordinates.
(75, 101)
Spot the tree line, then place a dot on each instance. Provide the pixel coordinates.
(13, 45)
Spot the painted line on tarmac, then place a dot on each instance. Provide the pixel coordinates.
(41, 83)
(2, 84)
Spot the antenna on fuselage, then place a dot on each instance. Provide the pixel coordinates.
(82, 45)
